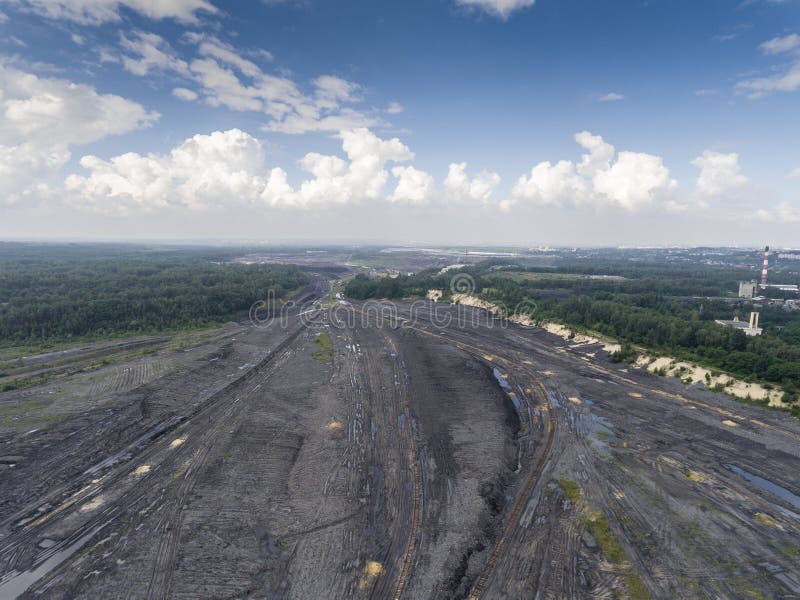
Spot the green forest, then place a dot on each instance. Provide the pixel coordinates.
(59, 293)
(667, 309)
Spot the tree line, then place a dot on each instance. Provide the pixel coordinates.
(54, 293)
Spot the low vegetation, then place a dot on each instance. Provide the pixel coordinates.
(571, 489)
(596, 524)
(325, 348)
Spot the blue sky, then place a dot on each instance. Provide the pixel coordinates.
(675, 122)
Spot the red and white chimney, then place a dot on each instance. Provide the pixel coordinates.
(765, 267)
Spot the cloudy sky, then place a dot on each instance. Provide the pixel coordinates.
(427, 121)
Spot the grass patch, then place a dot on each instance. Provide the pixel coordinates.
(571, 489)
(325, 351)
(183, 469)
(597, 524)
(636, 587)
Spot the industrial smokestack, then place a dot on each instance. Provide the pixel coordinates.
(764, 268)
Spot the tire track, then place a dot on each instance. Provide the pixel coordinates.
(415, 521)
(29, 530)
(522, 497)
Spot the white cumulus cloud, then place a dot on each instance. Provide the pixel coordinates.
(611, 97)
(719, 173)
(95, 12)
(227, 168)
(205, 170)
(629, 180)
(363, 176)
(498, 8)
(413, 186)
(459, 186)
(42, 118)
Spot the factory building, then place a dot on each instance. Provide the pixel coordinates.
(749, 328)
(747, 289)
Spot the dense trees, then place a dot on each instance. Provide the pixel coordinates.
(55, 293)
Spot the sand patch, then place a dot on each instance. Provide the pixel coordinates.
(334, 426)
(177, 442)
(765, 519)
(692, 373)
(141, 470)
(580, 339)
(92, 504)
(434, 295)
(469, 300)
(372, 570)
(696, 476)
(575, 400)
(730, 423)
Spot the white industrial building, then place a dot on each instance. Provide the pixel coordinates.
(749, 328)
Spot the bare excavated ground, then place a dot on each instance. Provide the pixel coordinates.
(403, 460)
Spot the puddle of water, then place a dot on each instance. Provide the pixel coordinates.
(553, 400)
(14, 584)
(503, 381)
(598, 430)
(766, 485)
